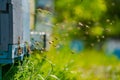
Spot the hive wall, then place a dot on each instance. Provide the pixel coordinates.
(14, 22)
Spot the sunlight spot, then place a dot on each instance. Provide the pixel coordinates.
(73, 72)
(80, 24)
(92, 44)
(113, 4)
(108, 20)
(103, 37)
(87, 26)
(111, 23)
(98, 40)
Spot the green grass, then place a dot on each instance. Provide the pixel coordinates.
(66, 65)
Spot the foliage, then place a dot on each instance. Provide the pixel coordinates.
(87, 20)
(79, 10)
(66, 65)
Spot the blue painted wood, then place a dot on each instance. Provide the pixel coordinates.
(76, 45)
(117, 52)
(14, 23)
(4, 32)
(111, 45)
(3, 5)
(6, 28)
(0, 30)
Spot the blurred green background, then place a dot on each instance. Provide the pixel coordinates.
(91, 21)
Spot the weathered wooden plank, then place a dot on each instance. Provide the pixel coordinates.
(4, 32)
(26, 20)
(3, 5)
(17, 21)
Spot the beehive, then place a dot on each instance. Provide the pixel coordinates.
(14, 24)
